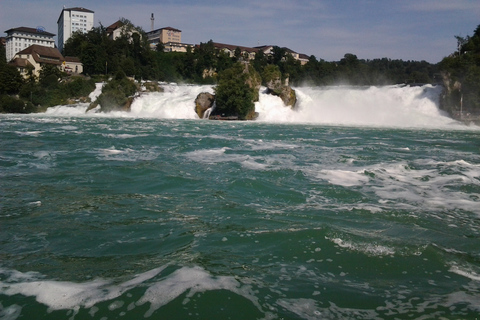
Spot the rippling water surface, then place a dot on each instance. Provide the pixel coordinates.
(127, 218)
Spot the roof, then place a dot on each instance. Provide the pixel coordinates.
(114, 26)
(43, 54)
(171, 29)
(167, 28)
(30, 30)
(72, 59)
(20, 63)
(80, 9)
(232, 47)
(270, 46)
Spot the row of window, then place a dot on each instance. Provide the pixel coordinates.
(24, 35)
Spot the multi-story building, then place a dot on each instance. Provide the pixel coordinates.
(170, 37)
(20, 38)
(73, 20)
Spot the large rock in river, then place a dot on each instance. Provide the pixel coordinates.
(203, 102)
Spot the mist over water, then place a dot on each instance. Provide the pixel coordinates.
(388, 106)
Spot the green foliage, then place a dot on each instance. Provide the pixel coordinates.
(462, 68)
(10, 104)
(116, 92)
(234, 97)
(271, 73)
(10, 79)
(76, 87)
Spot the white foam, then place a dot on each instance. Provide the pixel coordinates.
(10, 313)
(66, 295)
(95, 93)
(389, 106)
(374, 106)
(58, 295)
(194, 280)
(343, 177)
(373, 249)
(468, 274)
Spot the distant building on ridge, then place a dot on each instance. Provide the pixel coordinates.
(73, 20)
(171, 39)
(119, 28)
(21, 38)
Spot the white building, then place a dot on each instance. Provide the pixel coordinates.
(20, 38)
(72, 20)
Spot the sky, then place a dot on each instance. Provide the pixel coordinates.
(327, 29)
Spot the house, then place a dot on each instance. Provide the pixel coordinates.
(36, 56)
(246, 52)
(72, 65)
(20, 38)
(117, 29)
(249, 53)
(73, 20)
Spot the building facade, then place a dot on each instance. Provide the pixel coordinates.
(73, 20)
(36, 56)
(168, 35)
(119, 28)
(21, 38)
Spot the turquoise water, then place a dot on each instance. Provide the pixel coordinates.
(131, 218)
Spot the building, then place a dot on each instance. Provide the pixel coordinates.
(170, 37)
(20, 38)
(73, 20)
(245, 52)
(249, 53)
(36, 56)
(119, 28)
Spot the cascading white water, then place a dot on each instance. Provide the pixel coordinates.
(398, 106)
(391, 106)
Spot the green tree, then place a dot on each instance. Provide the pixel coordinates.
(234, 97)
(462, 69)
(10, 79)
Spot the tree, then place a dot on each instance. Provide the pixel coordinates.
(10, 79)
(234, 97)
(463, 72)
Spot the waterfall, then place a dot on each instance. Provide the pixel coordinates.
(387, 106)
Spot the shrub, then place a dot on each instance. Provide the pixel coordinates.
(12, 105)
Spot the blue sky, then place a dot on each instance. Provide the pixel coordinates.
(396, 29)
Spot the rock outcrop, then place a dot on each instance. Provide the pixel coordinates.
(451, 98)
(275, 86)
(203, 102)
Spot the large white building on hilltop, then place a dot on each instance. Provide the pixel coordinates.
(72, 20)
(21, 38)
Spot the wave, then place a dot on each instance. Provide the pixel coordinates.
(387, 106)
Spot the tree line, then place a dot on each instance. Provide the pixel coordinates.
(132, 54)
